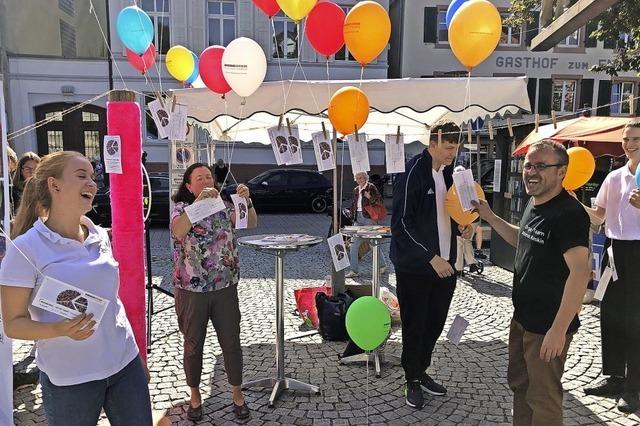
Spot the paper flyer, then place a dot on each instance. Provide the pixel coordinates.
(178, 123)
(457, 329)
(68, 301)
(294, 146)
(182, 155)
(112, 154)
(466, 188)
(338, 252)
(161, 117)
(323, 151)
(280, 145)
(394, 153)
(204, 208)
(497, 175)
(242, 212)
(358, 153)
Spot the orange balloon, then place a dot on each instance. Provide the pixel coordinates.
(454, 208)
(580, 169)
(367, 29)
(474, 32)
(348, 110)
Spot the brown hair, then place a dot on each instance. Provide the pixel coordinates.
(635, 123)
(450, 131)
(183, 195)
(36, 199)
(18, 180)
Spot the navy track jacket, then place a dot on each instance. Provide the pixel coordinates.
(414, 220)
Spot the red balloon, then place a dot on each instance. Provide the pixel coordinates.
(269, 7)
(324, 28)
(210, 68)
(144, 62)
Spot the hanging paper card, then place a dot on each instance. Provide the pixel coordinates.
(241, 211)
(161, 117)
(294, 146)
(112, 154)
(394, 153)
(323, 151)
(178, 123)
(204, 208)
(358, 153)
(280, 145)
(338, 252)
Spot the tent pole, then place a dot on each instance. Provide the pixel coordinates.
(337, 277)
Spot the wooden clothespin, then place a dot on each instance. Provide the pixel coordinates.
(324, 130)
(398, 135)
(355, 128)
(537, 122)
(490, 129)
(280, 123)
(439, 136)
(510, 127)
(289, 126)
(469, 136)
(554, 119)
(173, 103)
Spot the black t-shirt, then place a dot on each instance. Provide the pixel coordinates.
(546, 232)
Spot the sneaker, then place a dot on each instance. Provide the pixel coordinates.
(383, 270)
(473, 268)
(351, 274)
(194, 414)
(629, 402)
(429, 385)
(609, 386)
(22, 380)
(414, 395)
(479, 254)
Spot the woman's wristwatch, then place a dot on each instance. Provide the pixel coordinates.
(249, 204)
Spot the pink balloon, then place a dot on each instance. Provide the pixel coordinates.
(210, 68)
(269, 7)
(324, 28)
(144, 62)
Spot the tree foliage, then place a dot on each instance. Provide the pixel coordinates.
(621, 18)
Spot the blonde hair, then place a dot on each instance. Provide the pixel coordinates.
(36, 198)
(12, 155)
(18, 180)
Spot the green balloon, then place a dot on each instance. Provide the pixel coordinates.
(368, 322)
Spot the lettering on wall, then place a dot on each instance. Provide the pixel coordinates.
(549, 63)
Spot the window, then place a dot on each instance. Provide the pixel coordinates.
(443, 31)
(91, 143)
(564, 95)
(221, 20)
(152, 130)
(621, 91)
(90, 116)
(572, 41)
(53, 116)
(67, 40)
(511, 36)
(344, 54)
(277, 179)
(54, 141)
(286, 41)
(158, 183)
(67, 6)
(158, 11)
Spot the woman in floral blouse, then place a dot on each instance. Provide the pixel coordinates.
(205, 280)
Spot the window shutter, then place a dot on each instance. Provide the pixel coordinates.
(430, 24)
(604, 97)
(588, 40)
(610, 44)
(531, 91)
(196, 19)
(544, 96)
(178, 19)
(532, 28)
(586, 92)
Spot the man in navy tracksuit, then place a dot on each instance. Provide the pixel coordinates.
(423, 251)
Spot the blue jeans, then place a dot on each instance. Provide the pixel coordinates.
(124, 397)
(355, 244)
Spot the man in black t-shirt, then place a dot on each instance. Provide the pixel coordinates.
(551, 273)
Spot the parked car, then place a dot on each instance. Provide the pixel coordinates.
(101, 213)
(286, 189)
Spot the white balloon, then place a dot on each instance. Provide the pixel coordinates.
(198, 83)
(244, 66)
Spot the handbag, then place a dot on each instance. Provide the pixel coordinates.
(332, 313)
(376, 212)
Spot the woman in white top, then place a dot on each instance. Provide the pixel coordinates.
(85, 367)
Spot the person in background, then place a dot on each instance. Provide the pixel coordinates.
(85, 367)
(221, 171)
(551, 273)
(477, 228)
(24, 170)
(423, 251)
(465, 254)
(13, 160)
(618, 206)
(98, 172)
(364, 194)
(205, 280)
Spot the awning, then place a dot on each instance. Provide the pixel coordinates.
(412, 104)
(588, 130)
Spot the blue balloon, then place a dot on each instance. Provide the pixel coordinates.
(135, 29)
(452, 9)
(194, 75)
(638, 176)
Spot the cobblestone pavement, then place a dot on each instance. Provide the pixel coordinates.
(474, 371)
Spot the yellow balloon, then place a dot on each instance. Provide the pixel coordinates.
(180, 63)
(454, 208)
(348, 109)
(296, 9)
(474, 32)
(580, 169)
(367, 29)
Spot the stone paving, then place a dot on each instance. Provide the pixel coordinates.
(474, 371)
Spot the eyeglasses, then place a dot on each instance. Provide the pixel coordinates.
(540, 167)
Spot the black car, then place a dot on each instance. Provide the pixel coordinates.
(286, 189)
(101, 213)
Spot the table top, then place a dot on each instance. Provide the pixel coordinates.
(370, 232)
(279, 241)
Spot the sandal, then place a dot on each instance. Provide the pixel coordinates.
(194, 414)
(241, 411)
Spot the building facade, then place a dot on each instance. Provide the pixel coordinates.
(54, 55)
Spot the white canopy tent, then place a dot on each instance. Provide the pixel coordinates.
(412, 104)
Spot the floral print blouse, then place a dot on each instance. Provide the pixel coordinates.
(206, 259)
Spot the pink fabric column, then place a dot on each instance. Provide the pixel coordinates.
(124, 120)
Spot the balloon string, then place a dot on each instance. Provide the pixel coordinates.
(361, 75)
(367, 386)
(104, 37)
(298, 64)
(275, 42)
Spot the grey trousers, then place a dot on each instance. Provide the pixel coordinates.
(194, 310)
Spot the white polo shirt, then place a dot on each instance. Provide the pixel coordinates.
(444, 220)
(622, 220)
(91, 267)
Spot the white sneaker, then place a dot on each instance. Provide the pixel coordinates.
(351, 274)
